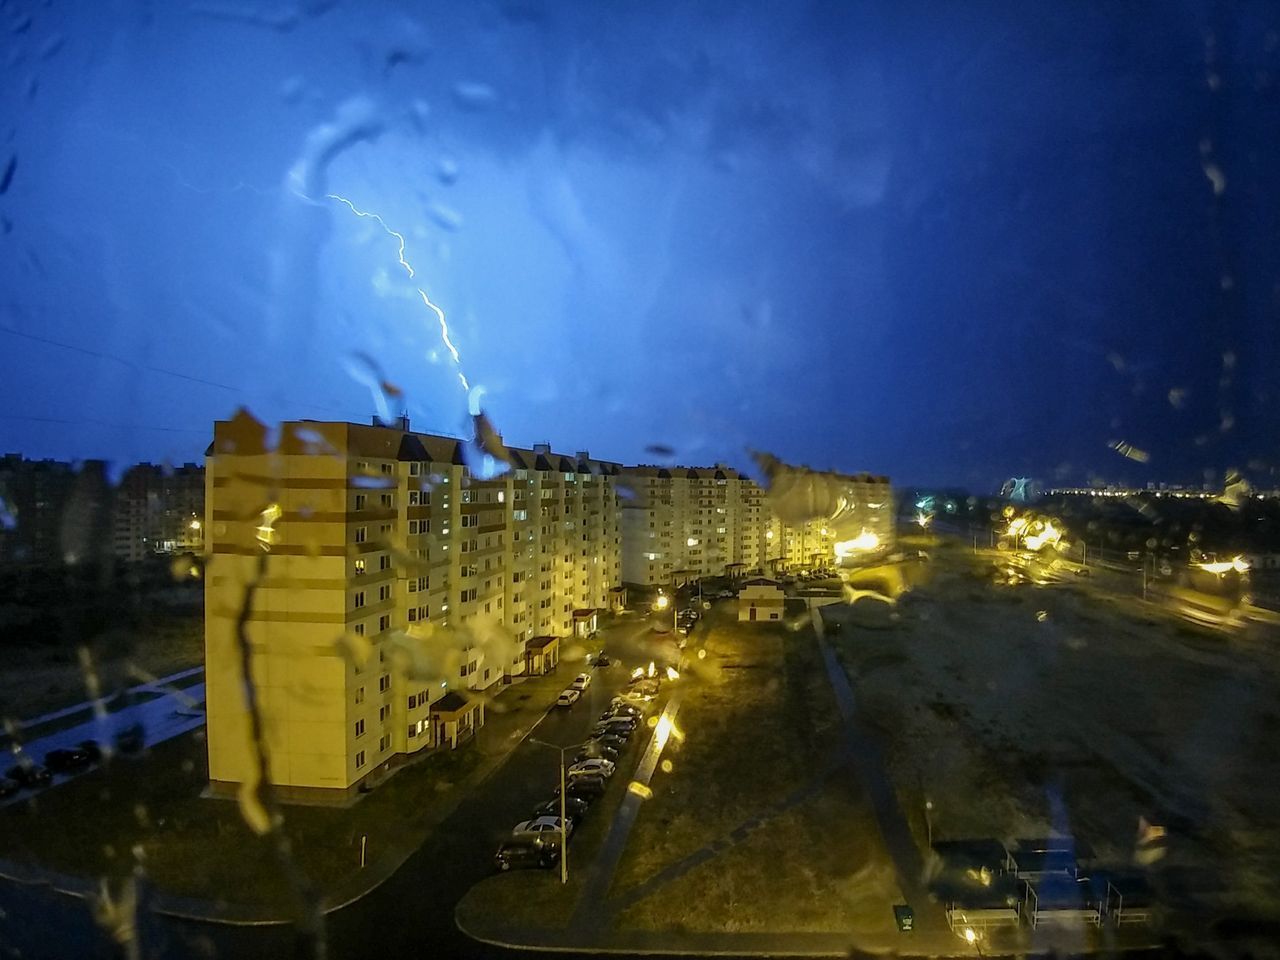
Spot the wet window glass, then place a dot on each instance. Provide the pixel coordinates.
(638, 478)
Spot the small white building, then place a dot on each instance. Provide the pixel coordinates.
(760, 599)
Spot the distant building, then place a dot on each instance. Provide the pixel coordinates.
(760, 599)
(682, 523)
(33, 498)
(394, 590)
(158, 511)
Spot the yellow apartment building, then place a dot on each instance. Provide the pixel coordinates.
(681, 523)
(385, 589)
(687, 522)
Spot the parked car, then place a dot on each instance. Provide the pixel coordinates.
(29, 775)
(92, 749)
(613, 713)
(70, 758)
(546, 829)
(610, 740)
(514, 854)
(617, 725)
(568, 698)
(574, 807)
(8, 787)
(591, 768)
(632, 705)
(595, 750)
(620, 734)
(581, 682)
(587, 787)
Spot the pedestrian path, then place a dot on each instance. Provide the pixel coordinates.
(867, 762)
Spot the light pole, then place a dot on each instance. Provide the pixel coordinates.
(564, 822)
(928, 822)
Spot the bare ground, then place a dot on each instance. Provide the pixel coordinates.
(1021, 710)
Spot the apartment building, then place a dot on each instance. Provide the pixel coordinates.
(158, 510)
(681, 523)
(686, 522)
(396, 589)
(33, 500)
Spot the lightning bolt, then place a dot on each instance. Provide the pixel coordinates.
(408, 268)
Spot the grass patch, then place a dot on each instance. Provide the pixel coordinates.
(815, 869)
(752, 737)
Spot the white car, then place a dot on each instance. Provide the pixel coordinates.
(581, 682)
(591, 768)
(568, 698)
(546, 829)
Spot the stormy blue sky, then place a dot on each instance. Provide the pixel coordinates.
(947, 242)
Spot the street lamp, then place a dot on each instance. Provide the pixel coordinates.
(564, 821)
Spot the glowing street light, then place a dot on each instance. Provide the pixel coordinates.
(862, 542)
(1238, 564)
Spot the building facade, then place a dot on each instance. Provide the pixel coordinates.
(394, 588)
(34, 495)
(681, 523)
(158, 511)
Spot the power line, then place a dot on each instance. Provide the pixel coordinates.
(105, 423)
(144, 366)
(118, 359)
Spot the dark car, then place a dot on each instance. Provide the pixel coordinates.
(619, 726)
(29, 775)
(603, 661)
(63, 760)
(586, 787)
(131, 739)
(621, 709)
(610, 740)
(92, 749)
(515, 854)
(8, 787)
(593, 750)
(574, 807)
